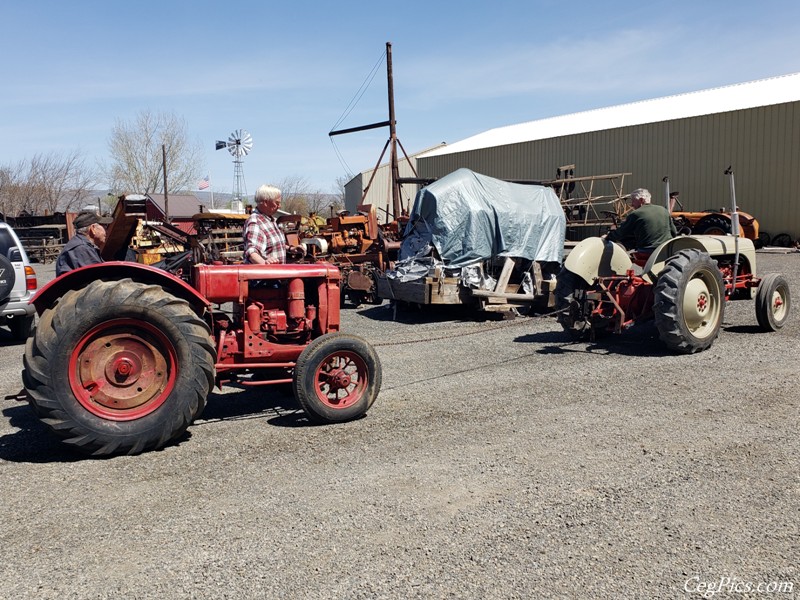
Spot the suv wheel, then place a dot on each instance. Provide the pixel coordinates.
(7, 277)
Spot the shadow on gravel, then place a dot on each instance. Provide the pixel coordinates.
(33, 442)
(6, 339)
(743, 329)
(275, 403)
(638, 341)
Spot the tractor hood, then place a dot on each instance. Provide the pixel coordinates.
(469, 217)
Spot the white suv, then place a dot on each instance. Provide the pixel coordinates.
(17, 285)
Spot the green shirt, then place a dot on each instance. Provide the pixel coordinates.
(645, 228)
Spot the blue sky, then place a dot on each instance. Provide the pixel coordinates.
(286, 72)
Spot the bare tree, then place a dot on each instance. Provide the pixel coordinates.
(45, 184)
(61, 182)
(10, 203)
(294, 194)
(136, 155)
(339, 189)
(324, 205)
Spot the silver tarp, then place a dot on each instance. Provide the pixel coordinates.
(470, 217)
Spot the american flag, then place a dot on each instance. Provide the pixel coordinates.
(203, 183)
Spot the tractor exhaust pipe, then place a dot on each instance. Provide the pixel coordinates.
(734, 227)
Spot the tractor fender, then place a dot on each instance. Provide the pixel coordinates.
(595, 257)
(116, 270)
(714, 245)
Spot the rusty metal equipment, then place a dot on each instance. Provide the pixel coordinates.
(358, 245)
(125, 355)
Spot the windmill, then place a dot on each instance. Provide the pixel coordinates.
(239, 144)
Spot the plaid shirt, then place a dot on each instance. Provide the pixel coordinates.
(261, 234)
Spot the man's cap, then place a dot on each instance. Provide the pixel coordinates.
(88, 217)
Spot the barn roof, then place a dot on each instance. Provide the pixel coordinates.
(180, 205)
(764, 92)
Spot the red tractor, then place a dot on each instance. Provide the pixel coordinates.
(125, 355)
(683, 285)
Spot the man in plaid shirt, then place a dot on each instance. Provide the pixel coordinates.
(264, 242)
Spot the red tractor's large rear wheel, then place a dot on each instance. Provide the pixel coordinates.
(119, 367)
(689, 302)
(337, 378)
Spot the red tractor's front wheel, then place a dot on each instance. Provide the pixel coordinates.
(119, 367)
(337, 378)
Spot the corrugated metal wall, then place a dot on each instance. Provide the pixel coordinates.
(762, 144)
(380, 192)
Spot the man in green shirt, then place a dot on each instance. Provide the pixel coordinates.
(648, 226)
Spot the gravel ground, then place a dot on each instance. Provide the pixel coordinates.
(500, 461)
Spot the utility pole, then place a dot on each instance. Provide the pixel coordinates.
(396, 202)
(397, 207)
(166, 197)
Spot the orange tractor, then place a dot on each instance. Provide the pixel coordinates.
(711, 221)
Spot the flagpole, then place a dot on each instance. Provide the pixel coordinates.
(212, 194)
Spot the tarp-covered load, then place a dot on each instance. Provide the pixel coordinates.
(469, 217)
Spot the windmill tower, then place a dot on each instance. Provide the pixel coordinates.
(239, 144)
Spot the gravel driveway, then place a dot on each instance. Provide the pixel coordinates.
(499, 461)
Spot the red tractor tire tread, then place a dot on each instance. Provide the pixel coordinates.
(668, 301)
(47, 355)
(311, 360)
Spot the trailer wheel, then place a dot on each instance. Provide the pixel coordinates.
(119, 367)
(689, 302)
(773, 302)
(570, 295)
(337, 378)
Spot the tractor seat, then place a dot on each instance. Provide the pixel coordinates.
(640, 258)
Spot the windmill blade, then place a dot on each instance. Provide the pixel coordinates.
(233, 144)
(240, 142)
(246, 142)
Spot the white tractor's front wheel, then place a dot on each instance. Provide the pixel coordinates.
(773, 302)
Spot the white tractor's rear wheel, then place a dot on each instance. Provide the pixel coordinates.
(689, 302)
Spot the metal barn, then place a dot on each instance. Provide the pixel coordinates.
(379, 192)
(691, 138)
